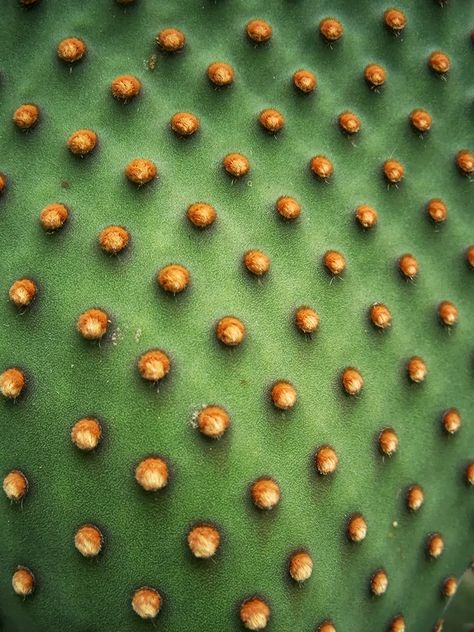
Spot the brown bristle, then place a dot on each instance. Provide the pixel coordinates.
(352, 381)
(153, 365)
(12, 382)
(213, 421)
(86, 433)
(300, 566)
(421, 120)
(185, 123)
(257, 262)
(465, 161)
(437, 210)
(439, 62)
(375, 75)
(15, 485)
(326, 626)
(379, 583)
(434, 545)
(305, 81)
(141, 171)
(71, 49)
(254, 613)
(265, 493)
(53, 217)
(283, 395)
(203, 541)
(470, 256)
(171, 40)
(236, 165)
(322, 167)
(125, 87)
(22, 292)
(201, 214)
(417, 369)
(113, 239)
(23, 581)
(408, 266)
(449, 587)
(173, 278)
(366, 216)
(230, 331)
(395, 19)
(331, 29)
(271, 120)
(288, 208)
(259, 31)
(82, 142)
(220, 73)
(356, 528)
(152, 474)
(447, 313)
(415, 497)
(470, 473)
(334, 262)
(92, 324)
(349, 123)
(307, 320)
(397, 624)
(146, 602)
(26, 116)
(380, 316)
(394, 171)
(451, 420)
(388, 441)
(88, 540)
(326, 460)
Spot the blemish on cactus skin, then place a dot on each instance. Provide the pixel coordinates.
(146, 602)
(152, 474)
(220, 73)
(88, 540)
(171, 40)
(305, 81)
(12, 383)
(259, 31)
(203, 541)
(23, 581)
(283, 395)
(230, 331)
(15, 485)
(254, 613)
(265, 493)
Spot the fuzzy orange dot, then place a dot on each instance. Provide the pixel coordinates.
(366, 215)
(388, 441)
(259, 31)
(236, 165)
(449, 587)
(322, 167)
(3, 182)
(153, 365)
(434, 545)
(12, 382)
(201, 214)
(26, 116)
(88, 540)
(417, 369)
(393, 170)
(395, 19)
(113, 239)
(125, 87)
(22, 292)
(23, 581)
(271, 120)
(408, 266)
(283, 395)
(380, 316)
(265, 493)
(152, 474)
(257, 262)
(300, 566)
(349, 122)
(334, 262)
(331, 29)
(465, 161)
(306, 320)
(437, 210)
(86, 434)
(230, 331)
(421, 120)
(82, 142)
(53, 217)
(171, 40)
(288, 207)
(185, 123)
(92, 324)
(470, 256)
(305, 81)
(213, 421)
(203, 541)
(15, 485)
(254, 614)
(438, 626)
(379, 583)
(71, 49)
(146, 602)
(397, 624)
(173, 278)
(451, 420)
(326, 460)
(220, 73)
(326, 626)
(439, 62)
(415, 497)
(356, 528)
(447, 313)
(352, 381)
(141, 171)
(470, 473)
(375, 75)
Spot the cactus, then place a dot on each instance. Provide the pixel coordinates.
(236, 363)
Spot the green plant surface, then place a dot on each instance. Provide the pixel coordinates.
(69, 378)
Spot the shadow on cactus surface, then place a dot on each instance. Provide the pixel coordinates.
(181, 444)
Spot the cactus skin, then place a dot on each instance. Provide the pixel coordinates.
(69, 378)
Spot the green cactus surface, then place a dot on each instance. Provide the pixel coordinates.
(69, 378)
